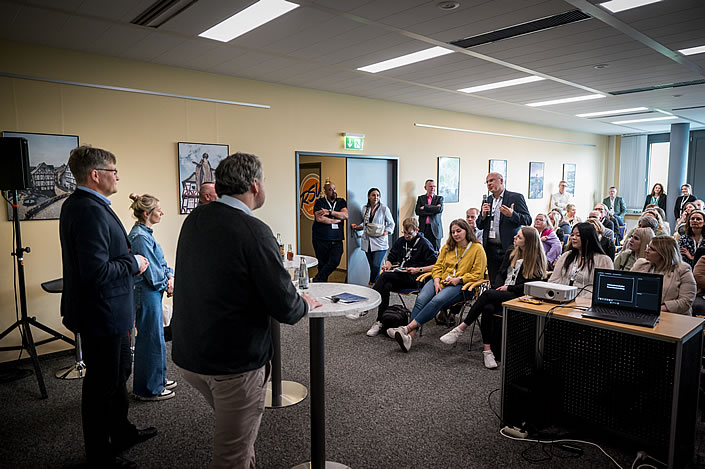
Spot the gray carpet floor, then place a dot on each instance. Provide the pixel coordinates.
(384, 409)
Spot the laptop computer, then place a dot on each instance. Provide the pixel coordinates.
(626, 297)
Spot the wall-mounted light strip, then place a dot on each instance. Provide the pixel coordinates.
(501, 84)
(407, 59)
(248, 19)
(611, 113)
(454, 129)
(132, 90)
(650, 119)
(566, 100)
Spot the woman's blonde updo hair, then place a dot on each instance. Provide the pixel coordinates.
(142, 205)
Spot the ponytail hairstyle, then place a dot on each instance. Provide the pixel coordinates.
(142, 206)
(534, 265)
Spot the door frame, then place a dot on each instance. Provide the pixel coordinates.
(395, 183)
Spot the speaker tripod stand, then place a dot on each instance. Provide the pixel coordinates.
(24, 322)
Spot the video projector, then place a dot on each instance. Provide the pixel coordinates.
(551, 291)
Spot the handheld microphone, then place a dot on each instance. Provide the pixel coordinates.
(485, 200)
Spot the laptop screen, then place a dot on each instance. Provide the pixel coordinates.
(625, 289)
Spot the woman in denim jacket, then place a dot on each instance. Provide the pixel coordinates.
(150, 382)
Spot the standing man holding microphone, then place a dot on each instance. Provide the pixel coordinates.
(502, 214)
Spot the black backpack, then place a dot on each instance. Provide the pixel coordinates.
(395, 316)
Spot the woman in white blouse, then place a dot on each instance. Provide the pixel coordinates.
(377, 224)
(663, 257)
(577, 265)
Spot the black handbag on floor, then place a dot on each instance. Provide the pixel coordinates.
(395, 316)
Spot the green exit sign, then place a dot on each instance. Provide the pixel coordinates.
(354, 141)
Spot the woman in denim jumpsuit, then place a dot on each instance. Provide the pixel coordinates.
(150, 382)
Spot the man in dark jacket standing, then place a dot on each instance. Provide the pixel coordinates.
(97, 302)
(501, 217)
(223, 303)
(429, 208)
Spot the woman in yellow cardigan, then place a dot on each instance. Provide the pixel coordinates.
(462, 260)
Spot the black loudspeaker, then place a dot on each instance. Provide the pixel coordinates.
(14, 161)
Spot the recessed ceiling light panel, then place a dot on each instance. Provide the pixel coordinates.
(501, 84)
(406, 59)
(650, 119)
(692, 50)
(613, 112)
(567, 100)
(248, 19)
(616, 6)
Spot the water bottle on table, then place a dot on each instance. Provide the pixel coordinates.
(303, 275)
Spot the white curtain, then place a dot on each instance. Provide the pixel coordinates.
(632, 171)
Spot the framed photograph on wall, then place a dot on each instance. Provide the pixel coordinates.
(51, 181)
(449, 178)
(197, 163)
(535, 180)
(499, 166)
(569, 177)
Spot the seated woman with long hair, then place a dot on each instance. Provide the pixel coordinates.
(570, 217)
(635, 249)
(461, 260)
(681, 222)
(693, 238)
(663, 257)
(577, 266)
(525, 263)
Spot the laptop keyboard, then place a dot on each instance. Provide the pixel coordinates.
(622, 313)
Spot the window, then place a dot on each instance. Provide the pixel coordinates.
(657, 161)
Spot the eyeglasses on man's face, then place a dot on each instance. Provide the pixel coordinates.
(114, 171)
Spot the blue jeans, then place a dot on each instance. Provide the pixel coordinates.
(150, 349)
(374, 258)
(428, 303)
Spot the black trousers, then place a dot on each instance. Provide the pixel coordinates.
(388, 282)
(495, 256)
(328, 254)
(104, 401)
(428, 234)
(487, 305)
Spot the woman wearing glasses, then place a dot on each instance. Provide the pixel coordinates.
(150, 382)
(662, 257)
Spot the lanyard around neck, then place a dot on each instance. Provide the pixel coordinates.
(408, 250)
(332, 207)
(457, 261)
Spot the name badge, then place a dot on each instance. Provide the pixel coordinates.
(334, 226)
(492, 234)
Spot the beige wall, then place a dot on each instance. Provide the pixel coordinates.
(143, 131)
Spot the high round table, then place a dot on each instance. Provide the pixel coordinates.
(317, 358)
(284, 393)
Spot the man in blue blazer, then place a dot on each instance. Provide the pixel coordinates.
(503, 213)
(429, 208)
(97, 302)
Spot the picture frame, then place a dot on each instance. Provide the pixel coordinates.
(197, 163)
(536, 170)
(499, 166)
(569, 177)
(449, 178)
(51, 181)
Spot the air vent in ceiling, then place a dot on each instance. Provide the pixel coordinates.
(658, 87)
(161, 11)
(542, 24)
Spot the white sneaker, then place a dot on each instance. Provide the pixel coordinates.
(353, 316)
(490, 362)
(452, 337)
(393, 330)
(404, 340)
(374, 330)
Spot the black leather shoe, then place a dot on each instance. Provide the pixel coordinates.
(140, 435)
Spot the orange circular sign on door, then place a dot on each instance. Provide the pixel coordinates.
(309, 189)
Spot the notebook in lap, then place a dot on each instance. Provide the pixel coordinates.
(627, 297)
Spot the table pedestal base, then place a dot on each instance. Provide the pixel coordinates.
(291, 393)
(329, 465)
